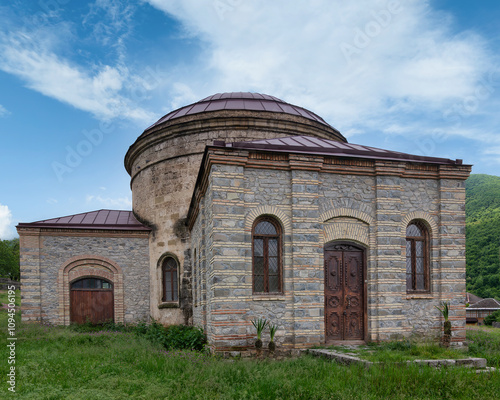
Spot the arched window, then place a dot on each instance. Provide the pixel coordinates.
(91, 283)
(266, 238)
(417, 257)
(170, 285)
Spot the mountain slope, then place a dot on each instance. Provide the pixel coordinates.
(482, 207)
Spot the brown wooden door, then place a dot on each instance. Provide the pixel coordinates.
(93, 305)
(344, 292)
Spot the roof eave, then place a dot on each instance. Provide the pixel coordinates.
(337, 153)
(84, 227)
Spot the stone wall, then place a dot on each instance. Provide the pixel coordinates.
(318, 200)
(164, 164)
(51, 259)
(5, 283)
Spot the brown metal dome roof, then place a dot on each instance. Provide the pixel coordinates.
(240, 101)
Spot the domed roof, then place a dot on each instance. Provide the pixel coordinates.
(240, 101)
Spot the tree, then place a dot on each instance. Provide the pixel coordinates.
(495, 317)
(9, 259)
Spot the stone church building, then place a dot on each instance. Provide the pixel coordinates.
(244, 207)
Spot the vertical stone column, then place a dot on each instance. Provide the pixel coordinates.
(307, 257)
(203, 267)
(31, 295)
(389, 270)
(231, 273)
(452, 232)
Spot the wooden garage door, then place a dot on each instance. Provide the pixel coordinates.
(91, 300)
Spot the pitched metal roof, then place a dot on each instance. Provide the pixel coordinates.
(100, 219)
(490, 304)
(240, 101)
(314, 145)
(472, 298)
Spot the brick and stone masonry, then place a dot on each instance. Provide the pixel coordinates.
(163, 164)
(52, 258)
(319, 199)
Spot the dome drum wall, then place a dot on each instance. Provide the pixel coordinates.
(164, 164)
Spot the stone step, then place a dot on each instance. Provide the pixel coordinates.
(348, 359)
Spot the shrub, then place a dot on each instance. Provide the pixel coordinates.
(179, 337)
(184, 338)
(495, 317)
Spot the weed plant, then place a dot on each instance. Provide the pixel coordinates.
(179, 337)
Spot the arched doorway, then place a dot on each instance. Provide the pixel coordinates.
(91, 300)
(344, 292)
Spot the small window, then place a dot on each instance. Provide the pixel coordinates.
(417, 257)
(170, 285)
(91, 283)
(266, 238)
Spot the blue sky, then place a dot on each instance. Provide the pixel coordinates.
(79, 81)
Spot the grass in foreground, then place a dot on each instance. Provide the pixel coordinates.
(484, 343)
(55, 363)
(59, 363)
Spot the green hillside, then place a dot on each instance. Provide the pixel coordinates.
(482, 208)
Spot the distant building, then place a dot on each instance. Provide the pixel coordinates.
(245, 207)
(477, 312)
(471, 299)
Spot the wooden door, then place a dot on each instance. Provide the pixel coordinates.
(344, 292)
(93, 305)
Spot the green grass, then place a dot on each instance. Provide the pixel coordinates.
(4, 297)
(60, 363)
(485, 343)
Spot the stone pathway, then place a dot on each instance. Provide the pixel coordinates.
(349, 358)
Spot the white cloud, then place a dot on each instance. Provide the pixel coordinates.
(3, 111)
(108, 202)
(357, 64)
(111, 22)
(100, 90)
(6, 228)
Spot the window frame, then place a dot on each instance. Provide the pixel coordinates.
(265, 237)
(425, 240)
(174, 280)
(74, 284)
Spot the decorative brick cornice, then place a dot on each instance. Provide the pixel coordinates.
(259, 159)
(82, 232)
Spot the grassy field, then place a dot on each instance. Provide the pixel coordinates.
(59, 363)
(483, 342)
